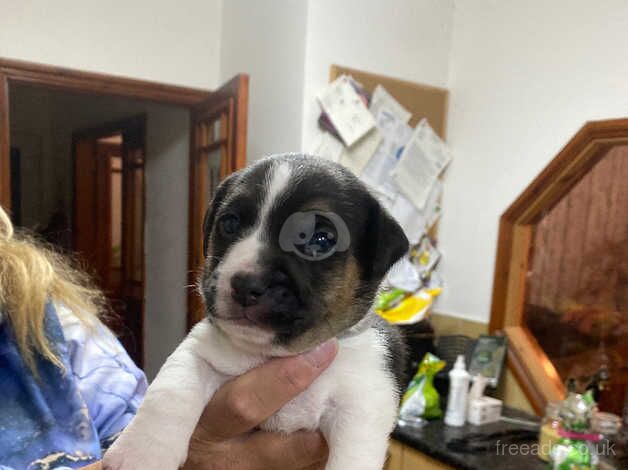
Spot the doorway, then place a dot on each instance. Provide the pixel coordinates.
(108, 219)
(142, 248)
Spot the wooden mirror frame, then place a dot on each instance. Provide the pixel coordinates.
(531, 366)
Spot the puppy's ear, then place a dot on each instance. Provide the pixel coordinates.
(385, 241)
(210, 213)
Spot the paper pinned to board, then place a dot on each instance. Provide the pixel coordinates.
(356, 157)
(416, 223)
(392, 126)
(329, 147)
(404, 275)
(346, 110)
(411, 220)
(432, 210)
(423, 159)
(376, 173)
(396, 134)
(381, 99)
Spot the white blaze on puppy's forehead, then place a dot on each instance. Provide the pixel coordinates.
(277, 180)
(244, 254)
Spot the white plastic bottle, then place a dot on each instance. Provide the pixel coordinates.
(458, 391)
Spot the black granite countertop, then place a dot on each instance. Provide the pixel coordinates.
(432, 440)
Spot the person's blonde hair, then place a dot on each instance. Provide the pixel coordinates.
(31, 275)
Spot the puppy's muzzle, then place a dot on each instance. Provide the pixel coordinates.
(266, 298)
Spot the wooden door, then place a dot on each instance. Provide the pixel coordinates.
(217, 148)
(108, 228)
(132, 258)
(5, 145)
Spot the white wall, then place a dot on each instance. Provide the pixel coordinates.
(407, 39)
(266, 39)
(166, 236)
(166, 219)
(525, 76)
(172, 42)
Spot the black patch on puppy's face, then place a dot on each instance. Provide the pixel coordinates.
(250, 284)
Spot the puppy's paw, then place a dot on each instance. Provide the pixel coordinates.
(131, 454)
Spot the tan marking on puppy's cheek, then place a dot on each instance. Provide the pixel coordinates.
(340, 292)
(341, 310)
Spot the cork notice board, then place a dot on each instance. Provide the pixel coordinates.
(423, 101)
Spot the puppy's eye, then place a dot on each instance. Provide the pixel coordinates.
(229, 225)
(314, 235)
(322, 241)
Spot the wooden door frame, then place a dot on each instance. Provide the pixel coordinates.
(60, 78)
(135, 124)
(137, 121)
(229, 104)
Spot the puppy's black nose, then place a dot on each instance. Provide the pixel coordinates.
(246, 289)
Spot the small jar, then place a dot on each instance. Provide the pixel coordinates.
(548, 435)
(609, 426)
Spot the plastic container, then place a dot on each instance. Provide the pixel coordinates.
(458, 392)
(548, 434)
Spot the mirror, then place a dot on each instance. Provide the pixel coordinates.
(577, 285)
(561, 280)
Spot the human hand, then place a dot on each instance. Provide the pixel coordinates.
(225, 436)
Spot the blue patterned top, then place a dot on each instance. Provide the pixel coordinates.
(65, 420)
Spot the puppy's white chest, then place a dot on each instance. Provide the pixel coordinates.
(353, 401)
(301, 413)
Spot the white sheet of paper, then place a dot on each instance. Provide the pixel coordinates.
(423, 159)
(328, 147)
(377, 171)
(411, 220)
(404, 275)
(345, 109)
(381, 99)
(392, 126)
(356, 157)
(432, 210)
(396, 133)
(414, 222)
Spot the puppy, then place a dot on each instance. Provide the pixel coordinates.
(296, 248)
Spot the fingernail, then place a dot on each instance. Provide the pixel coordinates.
(322, 354)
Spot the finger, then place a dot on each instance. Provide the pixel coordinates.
(274, 451)
(244, 402)
(260, 450)
(316, 466)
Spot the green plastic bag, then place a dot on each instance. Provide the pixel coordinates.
(421, 399)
